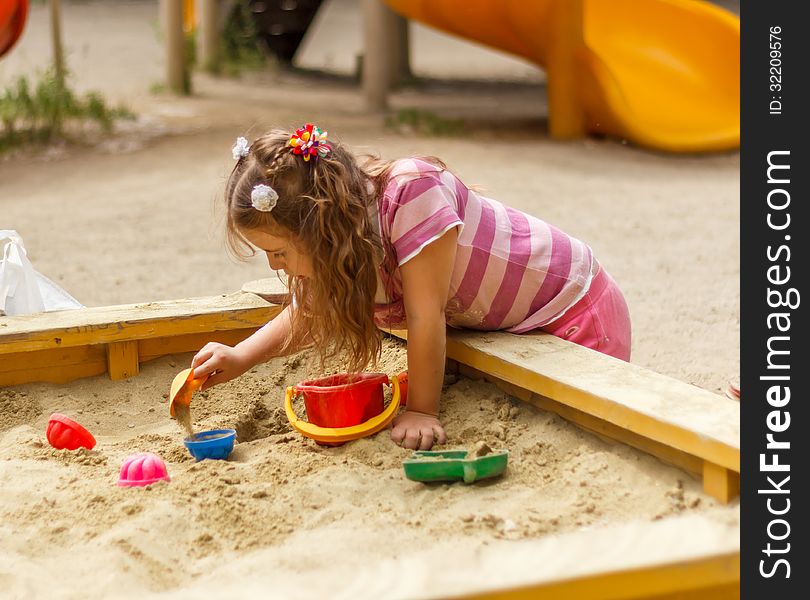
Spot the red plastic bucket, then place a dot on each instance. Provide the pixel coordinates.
(344, 399)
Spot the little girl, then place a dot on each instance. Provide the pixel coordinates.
(400, 244)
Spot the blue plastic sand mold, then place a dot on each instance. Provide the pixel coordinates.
(214, 444)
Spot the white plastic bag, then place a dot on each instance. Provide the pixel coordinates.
(22, 289)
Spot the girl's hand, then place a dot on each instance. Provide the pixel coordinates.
(417, 431)
(222, 362)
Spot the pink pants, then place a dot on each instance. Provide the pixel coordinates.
(600, 320)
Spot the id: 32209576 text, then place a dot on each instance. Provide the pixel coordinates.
(775, 70)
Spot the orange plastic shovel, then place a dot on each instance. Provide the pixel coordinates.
(183, 386)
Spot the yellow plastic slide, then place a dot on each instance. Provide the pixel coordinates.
(661, 73)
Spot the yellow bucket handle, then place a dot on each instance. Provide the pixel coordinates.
(343, 434)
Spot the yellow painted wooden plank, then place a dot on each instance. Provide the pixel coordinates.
(671, 412)
(707, 578)
(687, 462)
(122, 359)
(56, 365)
(720, 483)
(599, 427)
(151, 348)
(61, 365)
(729, 591)
(129, 322)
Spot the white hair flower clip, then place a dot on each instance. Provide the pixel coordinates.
(263, 197)
(240, 148)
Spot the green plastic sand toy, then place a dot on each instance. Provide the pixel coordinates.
(454, 465)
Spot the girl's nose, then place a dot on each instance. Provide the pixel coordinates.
(277, 264)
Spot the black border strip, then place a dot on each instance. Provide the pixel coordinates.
(774, 102)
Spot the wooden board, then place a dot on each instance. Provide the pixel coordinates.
(56, 365)
(672, 412)
(688, 556)
(709, 578)
(58, 347)
(692, 557)
(686, 425)
(599, 427)
(127, 322)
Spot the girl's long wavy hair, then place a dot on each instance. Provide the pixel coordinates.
(323, 209)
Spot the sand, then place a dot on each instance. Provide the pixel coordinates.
(134, 217)
(62, 512)
(182, 414)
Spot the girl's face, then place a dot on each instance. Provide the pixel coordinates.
(281, 253)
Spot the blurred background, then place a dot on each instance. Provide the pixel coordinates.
(112, 164)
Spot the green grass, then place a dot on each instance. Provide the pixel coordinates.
(44, 111)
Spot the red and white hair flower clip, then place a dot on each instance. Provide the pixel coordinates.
(309, 141)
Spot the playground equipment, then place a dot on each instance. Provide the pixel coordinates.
(664, 74)
(343, 407)
(143, 468)
(282, 24)
(683, 425)
(12, 21)
(661, 73)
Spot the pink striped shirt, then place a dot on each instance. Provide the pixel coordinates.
(513, 271)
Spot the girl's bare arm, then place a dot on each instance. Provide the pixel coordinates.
(426, 285)
(224, 363)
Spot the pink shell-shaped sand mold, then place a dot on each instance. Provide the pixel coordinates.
(142, 469)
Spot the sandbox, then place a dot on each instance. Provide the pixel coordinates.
(576, 514)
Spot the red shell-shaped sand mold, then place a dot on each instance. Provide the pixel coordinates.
(142, 469)
(64, 433)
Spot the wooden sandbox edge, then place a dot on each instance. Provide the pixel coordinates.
(679, 423)
(713, 577)
(58, 347)
(683, 557)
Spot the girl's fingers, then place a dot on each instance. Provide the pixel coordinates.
(201, 356)
(418, 438)
(205, 353)
(412, 439)
(397, 434)
(213, 380)
(426, 439)
(206, 368)
(441, 437)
